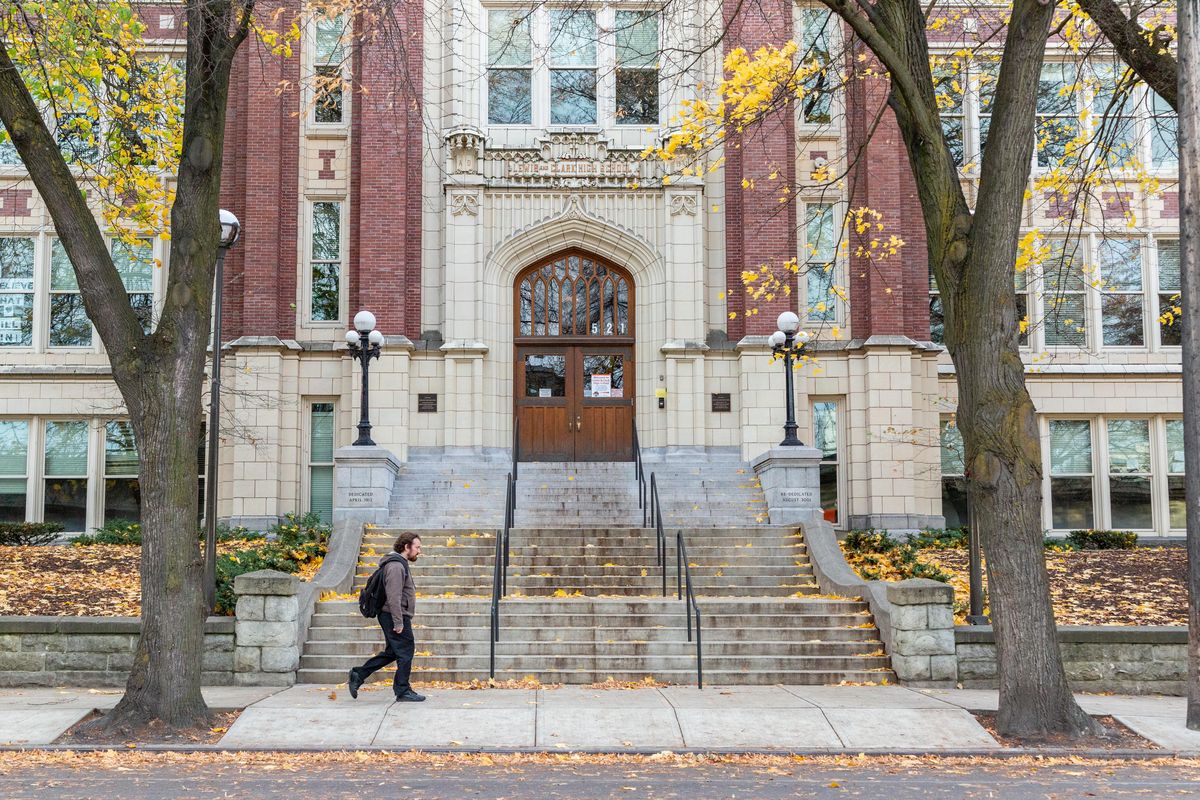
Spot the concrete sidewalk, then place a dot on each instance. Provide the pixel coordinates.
(805, 718)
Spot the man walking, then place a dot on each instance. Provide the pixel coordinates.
(396, 620)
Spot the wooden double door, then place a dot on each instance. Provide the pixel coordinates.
(575, 402)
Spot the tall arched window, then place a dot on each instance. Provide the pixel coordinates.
(574, 294)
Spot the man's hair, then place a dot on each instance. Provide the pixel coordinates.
(404, 540)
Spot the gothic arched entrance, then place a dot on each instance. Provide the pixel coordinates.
(573, 376)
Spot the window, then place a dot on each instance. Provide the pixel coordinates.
(1022, 286)
(1064, 298)
(954, 481)
(66, 474)
(1129, 480)
(8, 151)
(77, 134)
(825, 439)
(326, 261)
(819, 249)
(573, 296)
(1176, 487)
(1057, 118)
(69, 323)
(949, 78)
(14, 466)
(1071, 474)
(1164, 133)
(1120, 262)
(937, 315)
(16, 292)
(320, 461)
(122, 492)
(135, 264)
(329, 83)
(1113, 116)
(510, 67)
(572, 67)
(984, 76)
(1170, 331)
(818, 27)
(637, 68)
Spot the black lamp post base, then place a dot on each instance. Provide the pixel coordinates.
(364, 438)
(982, 619)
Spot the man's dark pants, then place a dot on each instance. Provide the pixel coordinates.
(400, 648)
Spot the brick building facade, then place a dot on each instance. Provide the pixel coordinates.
(457, 159)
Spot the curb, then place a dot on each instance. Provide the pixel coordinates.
(1005, 754)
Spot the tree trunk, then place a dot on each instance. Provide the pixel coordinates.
(1189, 254)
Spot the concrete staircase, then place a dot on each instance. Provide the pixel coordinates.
(455, 493)
(586, 604)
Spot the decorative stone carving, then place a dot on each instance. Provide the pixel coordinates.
(567, 160)
(464, 149)
(464, 203)
(683, 204)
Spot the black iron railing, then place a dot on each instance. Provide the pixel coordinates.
(683, 577)
(639, 473)
(500, 569)
(655, 509)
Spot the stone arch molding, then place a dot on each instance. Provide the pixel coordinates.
(574, 226)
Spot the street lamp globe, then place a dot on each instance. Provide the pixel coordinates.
(777, 339)
(351, 337)
(376, 338)
(231, 229)
(364, 321)
(803, 336)
(788, 322)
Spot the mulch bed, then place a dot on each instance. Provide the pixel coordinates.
(1118, 737)
(1144, 586)
(86, 731)
(96, 581)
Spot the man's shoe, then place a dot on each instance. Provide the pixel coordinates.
(355, 682)
(410, 697)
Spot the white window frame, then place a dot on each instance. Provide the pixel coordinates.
(345, 69)
(105, 477)
(804, 259)
(306, 489)
(91, 470)
(1155, 293)
(1047, 466)
(33, 292)
(1103, 289)
(29, 463)
(1162, 466)
(1104, 520)
(840, 463)
(836, 95)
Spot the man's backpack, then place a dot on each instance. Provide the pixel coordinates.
(373, 596)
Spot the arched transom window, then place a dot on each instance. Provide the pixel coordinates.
(574, 295)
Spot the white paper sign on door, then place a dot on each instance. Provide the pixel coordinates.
(602, 385)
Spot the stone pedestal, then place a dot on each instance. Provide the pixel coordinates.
(922, 621)
(791, 480)
(363, 481)
(266, 651)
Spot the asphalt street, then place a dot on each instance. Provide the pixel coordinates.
(376, 777)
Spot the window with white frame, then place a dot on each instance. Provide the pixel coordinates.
(820, 247)
(326, 263)
(65, 474)
(1130, 478)
(1114, 115)
(14, 469)
(1122, 298)
(77, 134)
(320, 461)
(1057, 119)
(1164, 133)
(1170, 330)
(954, 481)
(949, 82)
(1176, 484)
(122, 491)
(937, 314)
(69, 323)
(16, 291)
(577, 66)
(329, 69)
(825, 439)
(9, 157)
(818, 34)
(135, 264)
(1071, 504)
(1064, 295)
(637, 68)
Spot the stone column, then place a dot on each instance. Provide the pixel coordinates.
(791, 480)
(266, 652)
(922, 621)
(363, 478)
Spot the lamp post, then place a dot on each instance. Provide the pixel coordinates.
(789, 342)
(231, 229)
(364, 342)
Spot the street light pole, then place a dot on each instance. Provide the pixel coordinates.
(364, 344)
(788, 342)
(231, 229)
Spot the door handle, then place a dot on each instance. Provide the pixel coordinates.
(578, 424)
(569, 427)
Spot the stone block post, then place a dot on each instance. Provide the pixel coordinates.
(363, 482)
(791, 480)
(922, 622)
(266, 651)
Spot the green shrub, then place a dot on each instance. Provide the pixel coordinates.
(287, 547)
(1102, 540)
(29, 533)
(869, 541)
(116, 531)
(941, 538)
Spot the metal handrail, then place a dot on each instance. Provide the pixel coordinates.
(683, 573)
(640, 472)
(500, 570)
(655, 508)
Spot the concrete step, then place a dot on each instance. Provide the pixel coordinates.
(538, 663)
(855, 638)
(676, 647)
(682, 677)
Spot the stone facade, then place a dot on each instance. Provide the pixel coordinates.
(438, 211)
(267, 652)
(94, 651)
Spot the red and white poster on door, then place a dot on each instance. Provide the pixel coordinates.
(602, 385)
